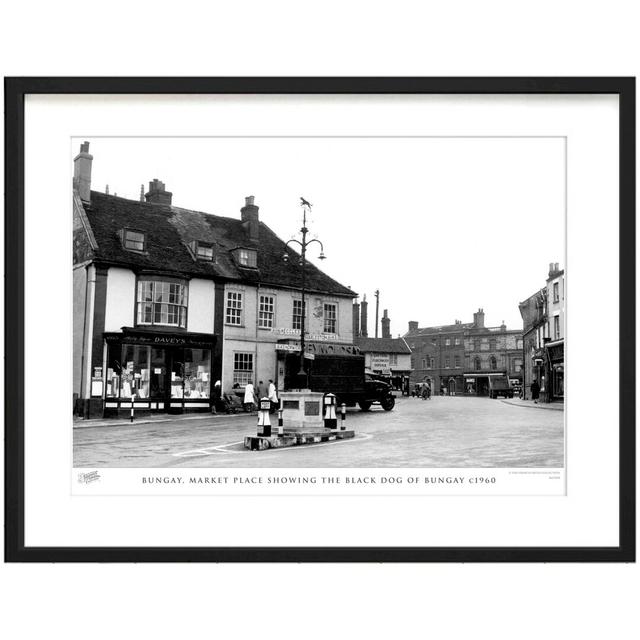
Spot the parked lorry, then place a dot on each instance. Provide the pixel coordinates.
(343, 375)
(499, 386)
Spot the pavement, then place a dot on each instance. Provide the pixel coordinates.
(80, 423)
(441, 432)
(530, 404)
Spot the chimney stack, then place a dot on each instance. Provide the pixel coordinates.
(363, 317)
(250, 219)
(478, 319)
(413, 326)
(356, 318)
(386, 325)
(82, 172)
(157, 193)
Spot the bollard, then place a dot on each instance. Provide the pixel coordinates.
(343, 415)
(330, 419)
(133, 399)
(264, 424)
(280, 422)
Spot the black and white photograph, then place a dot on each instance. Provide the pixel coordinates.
(319, 302)
(357, 310)
(320, 320)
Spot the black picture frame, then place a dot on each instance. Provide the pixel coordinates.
(15, 91)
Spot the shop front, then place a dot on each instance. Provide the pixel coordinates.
(555, 358)
(479, 384)
(157, 372)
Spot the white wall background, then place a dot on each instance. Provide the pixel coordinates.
(200, 305)
(121, 299)
(372, 38)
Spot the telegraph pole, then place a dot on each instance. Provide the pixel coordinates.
(377, 295)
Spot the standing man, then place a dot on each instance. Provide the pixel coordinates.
(263, 390)
(273, 396)
(217, 396)
(535, 391)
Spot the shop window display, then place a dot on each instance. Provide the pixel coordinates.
(114, 371)
(190, 377)
(156, 373)
(135, 371)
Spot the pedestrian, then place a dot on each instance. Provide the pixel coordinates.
(273, 396)
(263, 390)
(425, 392)
(535, 391)
(217, 396)
(428, 385)
(249, 397)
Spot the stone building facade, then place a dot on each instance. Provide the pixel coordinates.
(461, 357)
(544, 337)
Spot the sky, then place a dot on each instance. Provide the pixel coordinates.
(441, 226)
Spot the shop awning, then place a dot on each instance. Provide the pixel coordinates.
(318, 348)
(555, 350)
(485, 374)
(161, 338)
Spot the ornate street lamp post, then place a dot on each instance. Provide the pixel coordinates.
(304, 243)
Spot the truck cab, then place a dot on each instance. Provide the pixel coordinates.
(499, 386)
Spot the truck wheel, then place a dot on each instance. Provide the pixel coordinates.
(364, 405)
(388, 403)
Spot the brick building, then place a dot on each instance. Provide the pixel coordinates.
(386, 356)
(460, 358)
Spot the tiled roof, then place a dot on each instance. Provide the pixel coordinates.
(169, 229)
(466, 328)
(447, 328)
(382, 345)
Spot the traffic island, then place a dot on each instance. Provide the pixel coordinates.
(292, 439)
(305, 422)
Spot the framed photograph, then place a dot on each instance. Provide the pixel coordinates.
(320, 319)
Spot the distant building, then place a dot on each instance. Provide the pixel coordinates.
(543, 331)
(385, 356)
(460, 358)
(491, 351)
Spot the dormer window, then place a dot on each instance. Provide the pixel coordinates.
(133, 240)
(204, 251)
(246, 257)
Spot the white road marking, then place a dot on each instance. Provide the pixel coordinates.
(207, 451)
(221, 448)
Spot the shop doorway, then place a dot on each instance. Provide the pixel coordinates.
(482, 386)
